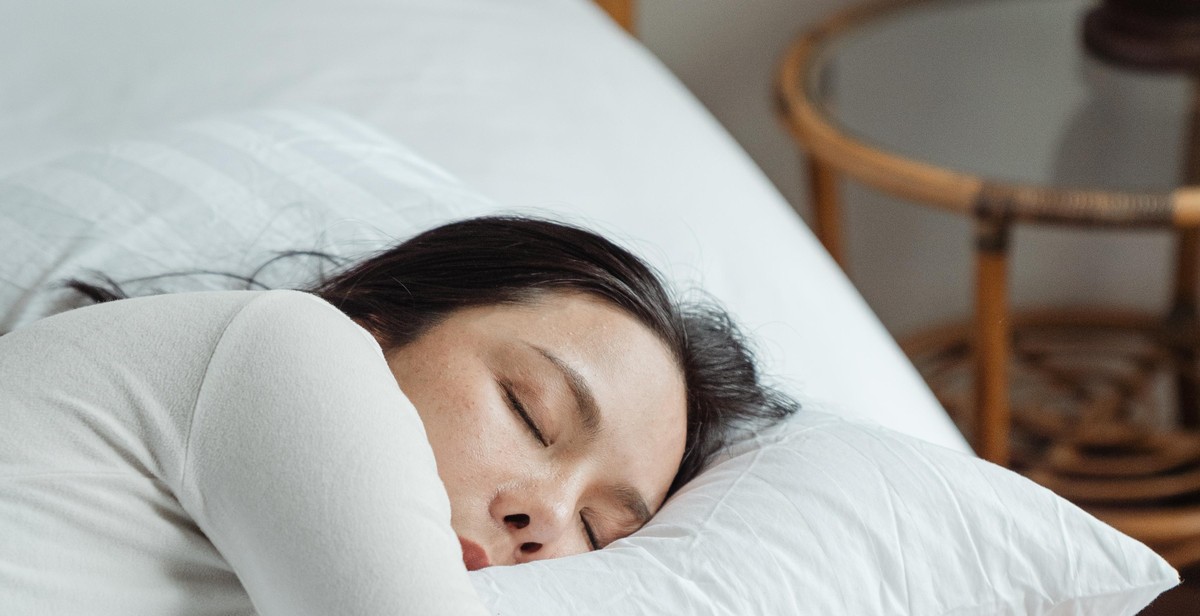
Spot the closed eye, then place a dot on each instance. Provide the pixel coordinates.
(517, 407)
(591, 534)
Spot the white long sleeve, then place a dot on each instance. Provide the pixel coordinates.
(233, 452)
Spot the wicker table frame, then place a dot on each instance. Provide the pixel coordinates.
(995, 207)
(1149, 488)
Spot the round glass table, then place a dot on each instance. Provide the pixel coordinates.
(974, 107)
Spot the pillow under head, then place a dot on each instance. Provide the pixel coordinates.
(825, 516)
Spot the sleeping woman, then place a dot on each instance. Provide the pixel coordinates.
(491, 392)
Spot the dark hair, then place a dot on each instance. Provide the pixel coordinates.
(400, 293)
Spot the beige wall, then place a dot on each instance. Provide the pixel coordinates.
(913, 264)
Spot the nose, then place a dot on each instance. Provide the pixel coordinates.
(538, 522)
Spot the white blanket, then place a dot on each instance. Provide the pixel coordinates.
(536, 103)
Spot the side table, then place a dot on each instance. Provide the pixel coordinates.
(1083, 428)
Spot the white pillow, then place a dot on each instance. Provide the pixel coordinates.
(824, 516)
(223, 195)
(817, 516)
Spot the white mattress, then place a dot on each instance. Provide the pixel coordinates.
(536, 103)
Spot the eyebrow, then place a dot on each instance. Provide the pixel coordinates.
(631, 501)
(585, 400)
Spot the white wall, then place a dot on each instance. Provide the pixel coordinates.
(911, 263)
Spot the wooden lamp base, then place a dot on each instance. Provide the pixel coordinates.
(1154, 35)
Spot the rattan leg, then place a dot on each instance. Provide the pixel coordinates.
(827, 209)
(621, 11)
(1181, 327)
(1181, 322)
(992, 341)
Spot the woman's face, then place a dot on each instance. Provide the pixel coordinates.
(557, 425)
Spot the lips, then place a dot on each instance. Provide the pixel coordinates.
(474, 556)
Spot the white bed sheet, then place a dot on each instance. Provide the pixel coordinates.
(538, 104)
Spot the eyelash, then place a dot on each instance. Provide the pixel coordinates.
(589, 533)
(515, 404)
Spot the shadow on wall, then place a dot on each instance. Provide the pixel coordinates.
(1127, 134)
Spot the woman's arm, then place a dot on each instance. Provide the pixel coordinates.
(309, 470)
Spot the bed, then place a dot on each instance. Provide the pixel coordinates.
(461, 101)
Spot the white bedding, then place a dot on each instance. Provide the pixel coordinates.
(797, 519)
(536, 103)
(545, 105)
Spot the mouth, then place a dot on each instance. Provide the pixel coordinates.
(474, 556)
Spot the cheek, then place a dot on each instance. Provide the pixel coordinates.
(465, 423)
(475, 440)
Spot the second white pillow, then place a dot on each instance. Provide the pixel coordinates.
(219, 195)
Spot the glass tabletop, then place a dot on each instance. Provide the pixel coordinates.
(1003, 89)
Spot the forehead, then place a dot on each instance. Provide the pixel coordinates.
(578, 322)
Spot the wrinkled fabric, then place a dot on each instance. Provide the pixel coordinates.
(229, 452)
(827, 516)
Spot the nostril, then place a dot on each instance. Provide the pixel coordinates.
(517, 520)
(530, 548)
